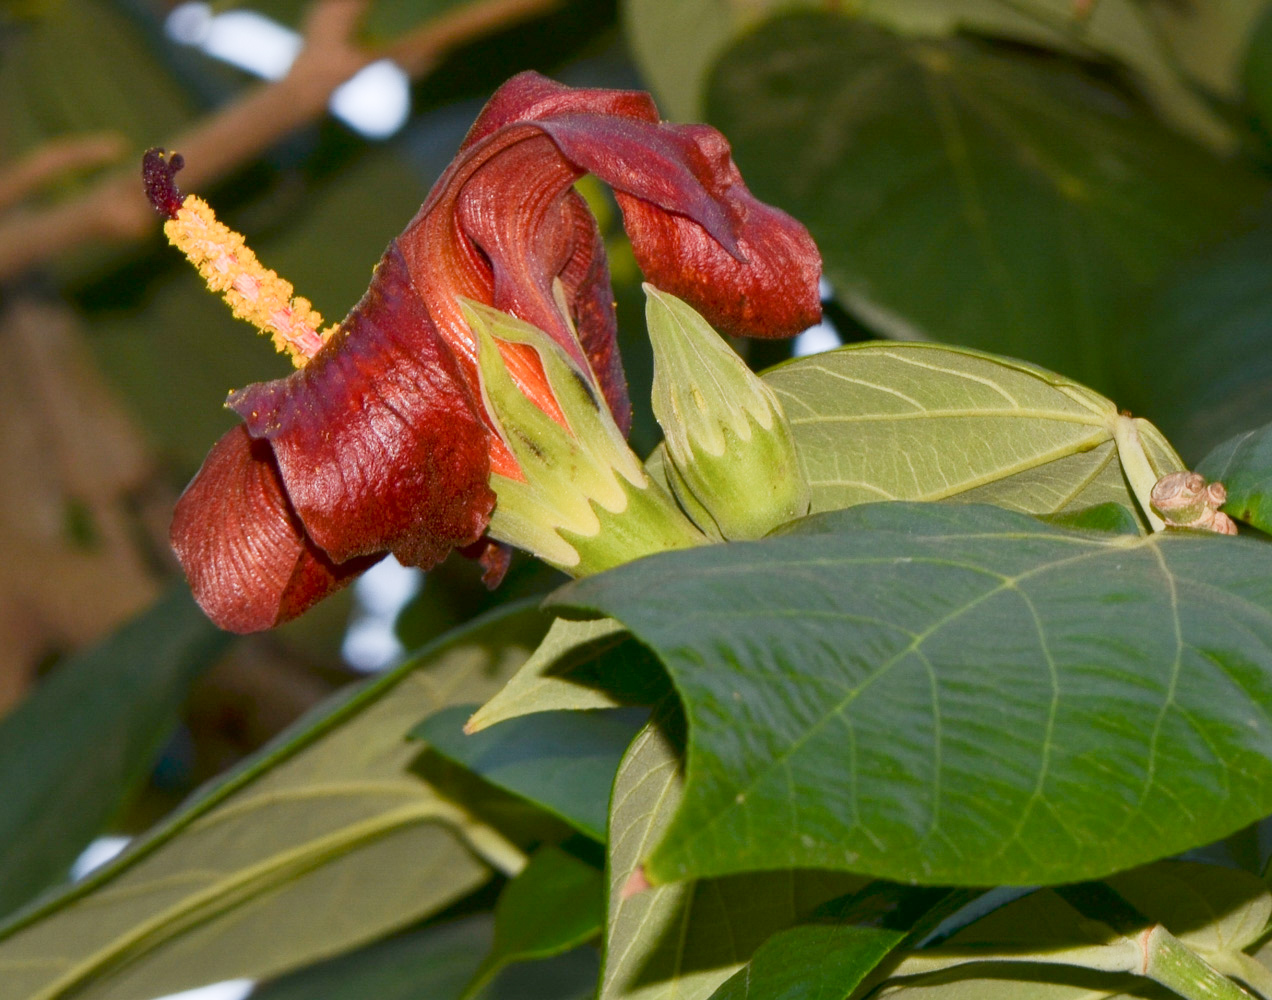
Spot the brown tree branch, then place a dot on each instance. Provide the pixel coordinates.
(56, 158)
(115, 209)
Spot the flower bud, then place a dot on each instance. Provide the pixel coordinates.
(582, 501)
(733, 465)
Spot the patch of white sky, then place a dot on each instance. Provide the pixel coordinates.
(823, 336)
(370, 642)
(375, 102)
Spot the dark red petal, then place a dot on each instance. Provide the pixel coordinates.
(241, 545)
(749, 268)
(529, 96)
(499, 227)
(378, 439)
(493, 557)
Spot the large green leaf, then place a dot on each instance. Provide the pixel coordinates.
(965, 193)
(682, 941)
(924, 422)
(88, 736)
(1244, 465)
(562, 761)
(327, 839)
(956, 694)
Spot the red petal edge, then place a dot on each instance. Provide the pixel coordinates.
(248, 560)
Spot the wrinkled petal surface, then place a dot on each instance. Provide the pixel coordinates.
(244, 551)
(377, 439)
(696, 230)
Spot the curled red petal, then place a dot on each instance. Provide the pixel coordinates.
(530, 96)
(696, 230)
(244, 551)
(378, 439)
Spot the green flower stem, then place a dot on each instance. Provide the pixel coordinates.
(1169, 961)
(1154, 953)
(1136, 466)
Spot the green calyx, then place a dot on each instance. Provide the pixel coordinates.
(585, 503)
(732, 460)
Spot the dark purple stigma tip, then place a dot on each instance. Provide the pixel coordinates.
(158, 171)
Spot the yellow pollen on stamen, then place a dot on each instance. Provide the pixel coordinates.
(252, 291)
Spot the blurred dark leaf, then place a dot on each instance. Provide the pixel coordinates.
(85, 66)
(1198, 363)
(1158, 45)
(87, 737)
(970, 193)
(389, 19)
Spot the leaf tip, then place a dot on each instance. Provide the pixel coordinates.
(636, 883)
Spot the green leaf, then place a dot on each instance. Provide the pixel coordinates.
(956, 695)
(924, 422)
(325, 840)
(1244, 465)
(966, 193)
(433, 962)
(562, 761)
(683, 941)
(579, 665)
(88, 736)
(1102, 517)
(556, 904)
(829, 955)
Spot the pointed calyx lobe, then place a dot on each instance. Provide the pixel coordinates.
(380, 443)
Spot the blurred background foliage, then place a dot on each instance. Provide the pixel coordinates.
(1080, 183)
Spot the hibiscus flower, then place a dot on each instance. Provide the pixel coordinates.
(380, 442)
